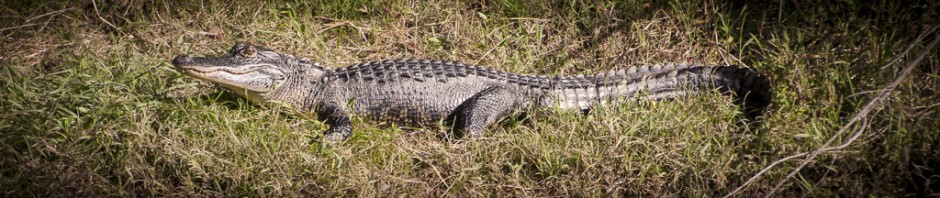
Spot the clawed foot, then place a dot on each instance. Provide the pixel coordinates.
(328, 138)
(335, 137)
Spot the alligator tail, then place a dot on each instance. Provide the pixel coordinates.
(660, 82)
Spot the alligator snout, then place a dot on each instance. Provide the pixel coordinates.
(182, 59)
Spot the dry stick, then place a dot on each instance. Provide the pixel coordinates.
(754, 178)
(49, 13)
(883, 94)
(910, 47)
(102, 19)
(17, 27)
(861, 114)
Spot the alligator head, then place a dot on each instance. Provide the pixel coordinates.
(251, 71)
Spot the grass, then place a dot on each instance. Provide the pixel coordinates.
(91, 106)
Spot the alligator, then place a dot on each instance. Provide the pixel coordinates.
(418, 92)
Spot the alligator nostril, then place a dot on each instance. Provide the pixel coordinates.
(182, 59)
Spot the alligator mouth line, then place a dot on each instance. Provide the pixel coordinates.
(228, 76)
(230, 70)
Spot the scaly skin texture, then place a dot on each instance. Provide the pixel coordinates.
(419, 92)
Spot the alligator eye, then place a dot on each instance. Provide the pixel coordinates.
(248, 51)
(237, 47)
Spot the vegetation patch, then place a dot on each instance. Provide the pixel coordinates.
(91, 106)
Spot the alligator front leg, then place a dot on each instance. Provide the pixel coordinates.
(486, 108)
(337, 117)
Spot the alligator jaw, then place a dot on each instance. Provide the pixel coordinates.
(253, 78)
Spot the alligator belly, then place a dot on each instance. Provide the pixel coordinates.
(412, 103)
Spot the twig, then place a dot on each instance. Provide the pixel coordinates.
(17, 27)
(49, 13)
(762, 171)
(882, 95)
(98, 14)
(864, 93)
(909, 47)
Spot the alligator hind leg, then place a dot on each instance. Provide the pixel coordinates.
(487, 107)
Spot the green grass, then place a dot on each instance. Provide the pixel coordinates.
(91, 106)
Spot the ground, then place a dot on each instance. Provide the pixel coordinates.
(91, 105)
